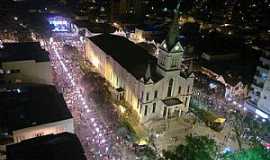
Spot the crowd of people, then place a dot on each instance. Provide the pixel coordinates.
(97, 136)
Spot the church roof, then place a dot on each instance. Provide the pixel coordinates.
(129, 55)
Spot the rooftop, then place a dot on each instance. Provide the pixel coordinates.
(64, 146)
(96, 27)
(151, 48)
(234, 69)
(27, 105)
(129, 55)
(23, 51)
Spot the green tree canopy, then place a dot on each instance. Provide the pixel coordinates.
(255, 153)
(196, 148)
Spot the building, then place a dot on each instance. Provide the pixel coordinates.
(88, 29)
(25, 62)
(147, 32)
(260, 88)
(50, 147)
(155, 87)
(32, 110)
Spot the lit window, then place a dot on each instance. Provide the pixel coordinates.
(176, 47)
(39, 134)
(165, 46)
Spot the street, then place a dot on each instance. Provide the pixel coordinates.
(96, 135)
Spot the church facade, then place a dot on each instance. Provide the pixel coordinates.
(156, 88)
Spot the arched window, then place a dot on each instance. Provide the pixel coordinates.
(154, 108)
(156, 94)
(169, 93)
(145, 110)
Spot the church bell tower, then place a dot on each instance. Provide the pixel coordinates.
(170, 51)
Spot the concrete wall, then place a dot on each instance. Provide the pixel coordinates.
(45, 129)
(30, 71)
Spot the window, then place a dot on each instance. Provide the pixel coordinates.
(140, 108)
(264, 97)
(39, 134)
(154, 108)
(142, 96)
(147, 96)
(169, 93)
(60, 130)
(186, 100)
(162, 60)
(138, 103)
(156, 94)
(145, 110)
(174, 62)
(179, 89)
(188, 90)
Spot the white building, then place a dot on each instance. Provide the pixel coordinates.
(155, 87)
(260, 88)
(25, 62)
(31, 110)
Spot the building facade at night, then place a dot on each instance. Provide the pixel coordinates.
(156, 88)
(260, 88)
(26, 62)
(32, 110)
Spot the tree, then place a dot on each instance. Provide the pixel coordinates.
(237, 121)
(247, 129)
(196, 148)
(255, 153)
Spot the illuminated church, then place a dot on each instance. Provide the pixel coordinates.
(156, 87)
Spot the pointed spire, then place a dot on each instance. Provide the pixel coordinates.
(148, 72)
(174, 30)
